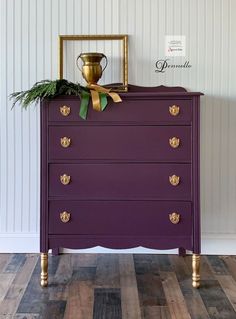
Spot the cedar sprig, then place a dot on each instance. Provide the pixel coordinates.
(46, 89)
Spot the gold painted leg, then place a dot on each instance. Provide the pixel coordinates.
(44, 269)
(196, 270)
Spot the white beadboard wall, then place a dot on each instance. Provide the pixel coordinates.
(29, 52)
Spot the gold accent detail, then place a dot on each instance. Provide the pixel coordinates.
(196, 270)
(174, 142)
(174, 180)
(65, 110)
(91, 69)
(65, 179)
(65, 217)
(174, 110)
(65, 141)
(95, 89)
(174, 218)
(122, 37)
(44, 269)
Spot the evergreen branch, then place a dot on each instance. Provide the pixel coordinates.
(51, 89)
(46, 89)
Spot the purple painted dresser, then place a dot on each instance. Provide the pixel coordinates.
(125, 177)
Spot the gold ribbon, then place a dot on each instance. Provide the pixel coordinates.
(95, 90)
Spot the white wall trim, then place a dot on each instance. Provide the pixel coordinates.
(221, 244)
(218, 244)
(19, 243)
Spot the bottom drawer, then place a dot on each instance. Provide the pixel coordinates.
(120, 218)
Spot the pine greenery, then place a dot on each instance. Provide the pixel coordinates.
(46, 89)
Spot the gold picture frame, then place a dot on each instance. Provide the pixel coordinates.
(122, 37)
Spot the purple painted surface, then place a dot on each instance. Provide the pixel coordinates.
(159, 89)
(120, 218)
(120, 181)
(144, 109)
(121, 154)
(135, 143)
(196, 175)
(120, 242)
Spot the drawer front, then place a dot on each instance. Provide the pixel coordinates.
(154, 143)
(120, 218)
(145, 111)
(120, 181)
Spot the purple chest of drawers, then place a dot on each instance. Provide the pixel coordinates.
(125, 177)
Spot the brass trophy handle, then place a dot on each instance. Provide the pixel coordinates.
(174, 218)
(65, 110)
(106, 62)
(79, 57)
(174, 142)
(65, 217)
(174, 180)
(65, 141)
(77, 61)
(174, 110)
(65, 179)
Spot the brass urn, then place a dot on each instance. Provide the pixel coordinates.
(91, 68)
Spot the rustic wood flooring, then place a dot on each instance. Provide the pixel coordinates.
(112, 286)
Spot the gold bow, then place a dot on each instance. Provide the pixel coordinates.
(95, 90)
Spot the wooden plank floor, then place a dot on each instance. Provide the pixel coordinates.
(111, 286)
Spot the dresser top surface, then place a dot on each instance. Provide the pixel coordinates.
(160, 90)
(148, 92)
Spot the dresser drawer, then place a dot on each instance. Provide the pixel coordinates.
(120, 218)
(169, 111)
(138, 143)
(120, 181)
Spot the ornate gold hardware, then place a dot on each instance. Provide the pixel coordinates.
(174, 142)
(174, 110)
(65, 141)
(65, 179)
(44, 269)
(196, 270)
(174, 218)
(65, 110)
(174, 180)
(65, 217)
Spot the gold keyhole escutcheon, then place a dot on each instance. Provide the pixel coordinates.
(174, 142)
(65, 141)
(174, 218)
(65, 217)
(174, 110)
(174, 180)
(65, 110)
(65, 179)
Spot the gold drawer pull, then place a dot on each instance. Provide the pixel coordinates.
(65, 217)
(174, 142)
(65, 179)
(174, 110)
(65, 141)
(174, 218)
(174, 180)
(65, 110)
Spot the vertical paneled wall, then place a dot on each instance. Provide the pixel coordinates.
(29, 53)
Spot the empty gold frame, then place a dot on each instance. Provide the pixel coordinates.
(123, 87)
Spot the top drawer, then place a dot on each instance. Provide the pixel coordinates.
(169, 111)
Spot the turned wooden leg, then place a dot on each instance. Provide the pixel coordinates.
(44, 269)
(196, 270)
